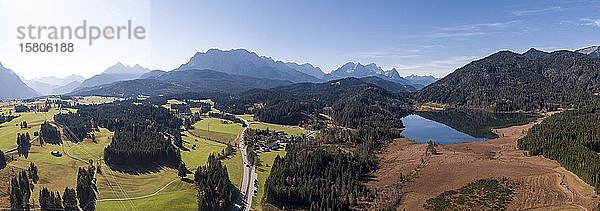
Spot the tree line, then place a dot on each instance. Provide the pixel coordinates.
(317, 178)
(573, 139)
(23, 144)
(141, 147)
(139, 132)
(49, 134)
(117, 116)
(6, 118)
(215, 191)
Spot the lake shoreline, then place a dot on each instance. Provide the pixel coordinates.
(458, 164)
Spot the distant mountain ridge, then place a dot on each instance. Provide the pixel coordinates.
(237, 62)
(358, 70)
(12, 87)
(307, 68)
(593, 51)
(117, 72)
(54, 85)
(245, 63)
(180, 82)
(420, 82)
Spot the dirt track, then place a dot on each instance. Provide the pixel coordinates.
(544, 184)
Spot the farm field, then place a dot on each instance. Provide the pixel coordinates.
(247, 117)
(93, 100)
(199, 157)
(159, 189)
(289, 130)
(177, 196)
(172, 102)
(219, 130)
(9, 130)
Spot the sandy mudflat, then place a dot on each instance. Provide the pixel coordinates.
(543, 183)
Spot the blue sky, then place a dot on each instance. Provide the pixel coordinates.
(423, 37)
(420, 37)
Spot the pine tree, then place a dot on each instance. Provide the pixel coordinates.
(33, 172)
(86, 189)
(182, 170)
(20, 191)
(70, 200)
(2, 160)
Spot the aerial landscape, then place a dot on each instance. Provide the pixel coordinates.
(308, 105)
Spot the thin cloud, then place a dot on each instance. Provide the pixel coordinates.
(467, 30)
(538, 11)
(590, 22)
(391, 53)
(437, 68)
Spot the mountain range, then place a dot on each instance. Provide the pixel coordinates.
(117, 72)
(593, 51)
(180, 82)
(237, 62)
(240, 62)
(12, 87)
(245, 63)
(54, 85)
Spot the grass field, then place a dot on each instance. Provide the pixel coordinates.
(199, 157)
(92, 100)
(235, 168)
(219, 130)
(263, 172)
(56, 173)
(177, 196)
(90, 150)
(110, 183)
(9, 130)
(172, 102)
(247, 117)
(290, 130)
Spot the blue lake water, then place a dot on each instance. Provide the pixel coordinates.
(421, 130)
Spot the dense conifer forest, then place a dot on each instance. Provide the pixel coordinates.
(2, 160)
(49, 134)
(215, 191)
(507, 81)
(141, 147)
(20, 191)
(328, 173)
(117, 116)
(573, 139)
(317, 178)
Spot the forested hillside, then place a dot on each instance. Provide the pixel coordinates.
(507, 81)
(327, 173)
(573, 139)
(140, 132)
(348, 101)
